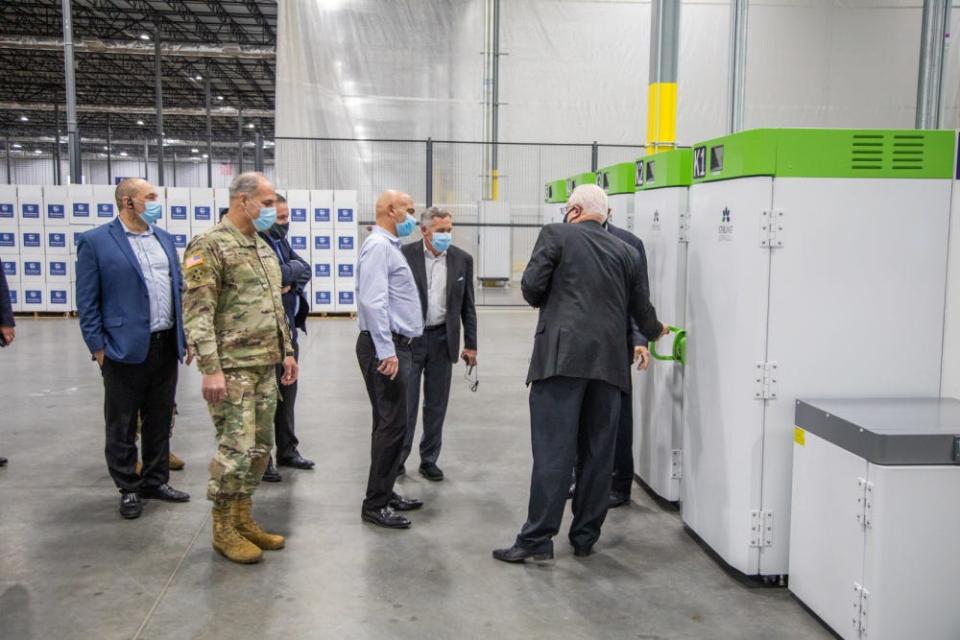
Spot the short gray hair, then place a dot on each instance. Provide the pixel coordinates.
(590, 198)
(431, 214)
(246, 183)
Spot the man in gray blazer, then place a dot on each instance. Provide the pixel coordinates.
(444, 277)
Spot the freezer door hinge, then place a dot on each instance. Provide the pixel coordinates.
(865, 499)
(765, 381)
(761, 528)
(684, 227)
(860, 599)
(771, 228)
(676, 464)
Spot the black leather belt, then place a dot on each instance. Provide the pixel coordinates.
(397, 338)
(158, 336)
(437, 327)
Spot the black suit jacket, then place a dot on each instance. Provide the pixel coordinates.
(460, 296)
(635, 337)
(295, 276)
(6, 309)
(585, 282)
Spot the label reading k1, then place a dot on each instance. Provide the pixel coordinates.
(699, 162)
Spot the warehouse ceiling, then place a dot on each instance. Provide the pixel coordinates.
(231, 43)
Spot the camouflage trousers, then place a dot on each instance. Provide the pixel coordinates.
(244, 424)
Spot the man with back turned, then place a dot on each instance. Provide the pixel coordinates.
(586, 284)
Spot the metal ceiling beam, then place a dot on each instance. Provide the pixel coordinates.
(224, 112)
(88, 45)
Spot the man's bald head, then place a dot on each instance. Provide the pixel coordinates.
(131, 188)
(392, 200)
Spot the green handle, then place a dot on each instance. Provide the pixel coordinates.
(679, 347)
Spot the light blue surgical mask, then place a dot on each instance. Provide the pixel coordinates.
(152, 212)
(441, 241)
(406, 227)
(268, 216)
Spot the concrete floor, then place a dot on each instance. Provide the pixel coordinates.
(71, 568)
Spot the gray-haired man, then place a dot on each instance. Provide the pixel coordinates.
(444, 277)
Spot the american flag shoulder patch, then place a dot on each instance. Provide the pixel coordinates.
(193, 261)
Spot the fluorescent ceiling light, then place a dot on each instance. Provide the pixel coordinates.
(24, 118)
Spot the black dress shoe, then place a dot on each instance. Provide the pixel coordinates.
(130, 505)
(582, 552)
(271, 474)
(296, 461)
(399, 503)
(384, 517)
(164, 492)
(431, 472)
(618, 499)
(518, 555)
(3, 461)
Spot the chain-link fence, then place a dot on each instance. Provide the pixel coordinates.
(459, 177)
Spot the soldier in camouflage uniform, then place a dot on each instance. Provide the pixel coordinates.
(237, 330)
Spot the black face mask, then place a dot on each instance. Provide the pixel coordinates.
(280, 231)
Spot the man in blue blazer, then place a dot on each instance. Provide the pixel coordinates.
(128, 299)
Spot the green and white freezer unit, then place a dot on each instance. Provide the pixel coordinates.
(554, 201)
(618, 182)
(816, 268)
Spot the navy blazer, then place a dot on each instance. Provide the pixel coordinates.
(112, 298)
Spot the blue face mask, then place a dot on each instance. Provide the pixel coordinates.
(441, 241)
(268, 216)
(152, 212)
(406, 227)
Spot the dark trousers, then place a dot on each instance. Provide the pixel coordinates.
(147, 390)
(623, 457)
(283, 419)
(572, 420)
(388, 400)
(431, 363)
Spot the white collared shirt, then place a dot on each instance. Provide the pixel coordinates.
(436, 287)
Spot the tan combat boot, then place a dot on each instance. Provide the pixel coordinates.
(176, 464)
(227, 541)
(249, 529)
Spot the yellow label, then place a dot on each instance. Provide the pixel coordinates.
(661, 115)
(800, 436)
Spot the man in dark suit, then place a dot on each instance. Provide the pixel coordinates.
(128, 299)
(7, 325)
(585, 282)
(444, 277)
(622, 481)
(294, 276)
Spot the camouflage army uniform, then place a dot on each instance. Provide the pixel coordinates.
(234, 321)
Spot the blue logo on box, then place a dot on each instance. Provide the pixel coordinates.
(344, 215)
(30, 211)
(321, 214)
(6, 210)
(57, 240)
(321, 270)
(299, 243)
(31, 240)
(81, 210)
(321, 243)
(345, 270)
(178, 212)
(58, 269)
(322, 297)
(58, 296)
(105, 210)
(55, 211)
(32, 296)
(180, 240)
(7, 240)
(31, 268)
(13, 296)
(345, 297)
(10, 268)
(345, 243)
(201, 213)
(298, 215)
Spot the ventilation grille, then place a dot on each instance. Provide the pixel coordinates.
(888, 151)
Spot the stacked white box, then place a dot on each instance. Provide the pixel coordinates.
(104, 204)
(320, 215)
(9, 228)
(33, 281)
(30, 206)
(57, 205)
(346, 233)
(10, 263)
(178, 210)
(299, 236)
(74, 239)
(321, 205)
(82, 210)
(57, 240)
(202, 215)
